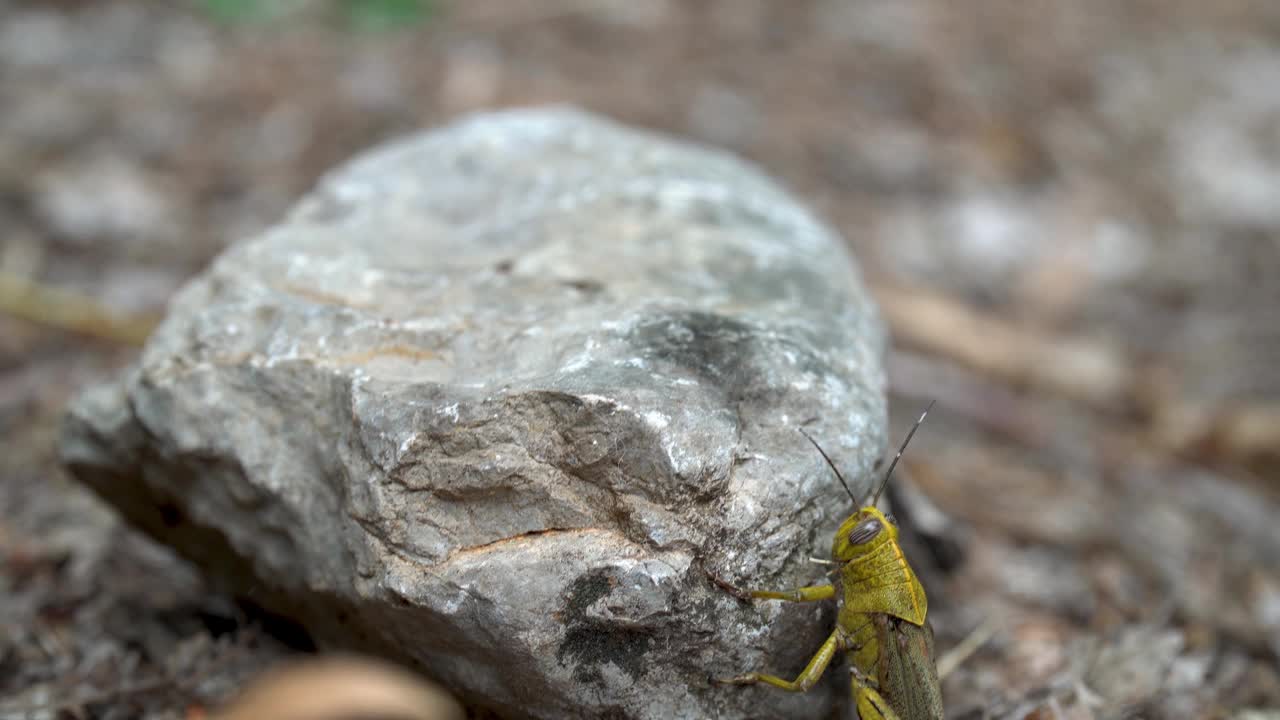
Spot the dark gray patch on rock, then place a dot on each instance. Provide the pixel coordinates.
(588, 642)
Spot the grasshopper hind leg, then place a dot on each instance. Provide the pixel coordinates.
(870, 704)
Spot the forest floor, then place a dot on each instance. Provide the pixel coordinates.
(1069, 213)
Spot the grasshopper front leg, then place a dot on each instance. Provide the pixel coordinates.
(808, 593)
(807, 677)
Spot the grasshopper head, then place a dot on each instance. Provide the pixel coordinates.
(861, 533)
(868, 529)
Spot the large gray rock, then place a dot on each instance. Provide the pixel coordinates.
(490, 398)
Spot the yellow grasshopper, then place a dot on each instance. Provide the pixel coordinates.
(881, 625)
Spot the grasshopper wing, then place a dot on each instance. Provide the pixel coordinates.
(907, 673)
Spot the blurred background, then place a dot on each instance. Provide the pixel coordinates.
(1069, 213)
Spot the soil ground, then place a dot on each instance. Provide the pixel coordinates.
(1069, 212)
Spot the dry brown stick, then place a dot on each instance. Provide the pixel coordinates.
(1247, 432)
(53, 307)
(980, 399)
(1082, 370)
(967, 647)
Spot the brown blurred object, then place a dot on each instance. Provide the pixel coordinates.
(1081, 370)
(1243, 431)
(341, 687)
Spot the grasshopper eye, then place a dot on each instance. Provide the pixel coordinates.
(864, 531)
(892, 520)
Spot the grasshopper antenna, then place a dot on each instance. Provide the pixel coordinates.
(830, 465)
(889, 473)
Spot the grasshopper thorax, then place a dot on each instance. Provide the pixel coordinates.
(874, 573)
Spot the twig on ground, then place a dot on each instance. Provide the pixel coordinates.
(53, 307)
(1082, 370)
(974, 641)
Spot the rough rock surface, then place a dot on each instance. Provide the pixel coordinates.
(490, 398)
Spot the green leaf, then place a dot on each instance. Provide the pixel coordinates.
(239, 11)
(386, 14)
